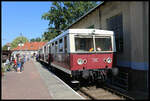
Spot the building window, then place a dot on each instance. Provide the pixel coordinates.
(115, 23)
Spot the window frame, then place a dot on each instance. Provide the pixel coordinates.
(60, 44)
(115, 23)
(94, 45)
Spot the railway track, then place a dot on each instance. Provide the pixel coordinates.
(100, 93)
(94, 92)
(118, 91)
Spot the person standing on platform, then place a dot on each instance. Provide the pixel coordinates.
(15, 64)
(22, 62)
(19, 65)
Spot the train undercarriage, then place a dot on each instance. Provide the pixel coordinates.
(93, 75)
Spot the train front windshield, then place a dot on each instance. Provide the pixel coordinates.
(93, 44)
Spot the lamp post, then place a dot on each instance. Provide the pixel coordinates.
(21, 43)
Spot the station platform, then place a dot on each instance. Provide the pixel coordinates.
(35, 82)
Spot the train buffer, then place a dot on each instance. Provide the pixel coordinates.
(35, 82)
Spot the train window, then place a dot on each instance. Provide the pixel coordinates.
(49, 48)
(45, 49)
(52, 44)
(84, 44)
(56, 45)
(60, 40)
(103, 44)
(65, 43)
(60, 45)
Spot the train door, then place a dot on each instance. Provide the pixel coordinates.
(65, 44)
(49, 55)
(44, 53)
(66, 54)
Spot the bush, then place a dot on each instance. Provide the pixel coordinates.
(3, 68)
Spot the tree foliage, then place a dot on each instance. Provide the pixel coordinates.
(62, 14)
(38, 39)
(5, 47)
(18, 40)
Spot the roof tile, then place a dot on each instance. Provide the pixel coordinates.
(30, 46)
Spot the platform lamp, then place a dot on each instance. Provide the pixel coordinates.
(21, 43)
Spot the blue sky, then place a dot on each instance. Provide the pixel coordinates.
(23, 17)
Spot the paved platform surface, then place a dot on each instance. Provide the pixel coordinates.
(35, 82)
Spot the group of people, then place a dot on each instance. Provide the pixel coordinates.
(15, 64)
(18, 63)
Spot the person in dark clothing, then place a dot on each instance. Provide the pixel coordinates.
(37, 57)
(19, 65)
(22, 67)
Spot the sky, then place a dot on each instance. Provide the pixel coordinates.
(23, 17)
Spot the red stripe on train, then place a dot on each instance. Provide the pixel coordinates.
(91, 61)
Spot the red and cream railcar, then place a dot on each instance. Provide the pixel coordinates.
(43, 54)
(82, 53)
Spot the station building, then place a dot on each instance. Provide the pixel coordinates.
(28, 48)
(130, 22)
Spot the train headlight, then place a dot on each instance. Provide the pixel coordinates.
(109, 60)
(80, 61)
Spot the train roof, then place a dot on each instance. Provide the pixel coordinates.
(84, 32)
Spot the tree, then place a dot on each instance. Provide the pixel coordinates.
(38, 39)
(18, 40)
(5, 47)
(32, 40)
(47, 36)
(62, 14)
